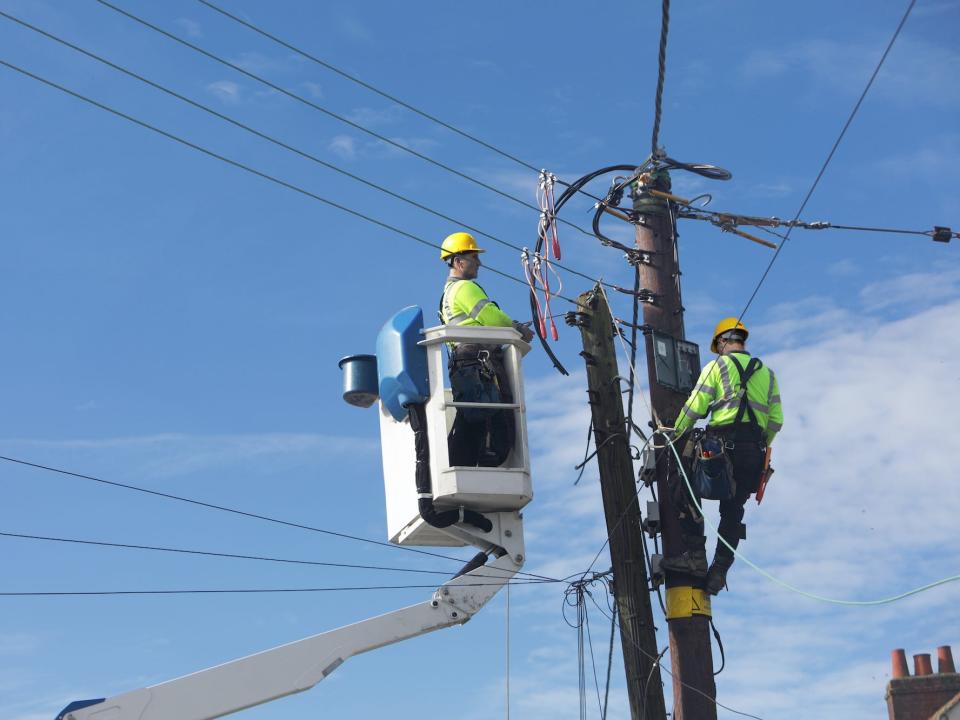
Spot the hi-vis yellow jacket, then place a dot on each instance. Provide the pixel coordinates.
(718, 392)
(465, 303)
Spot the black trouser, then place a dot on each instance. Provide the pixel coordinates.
(480, 437)
(747, 457)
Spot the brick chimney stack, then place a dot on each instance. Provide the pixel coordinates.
(920, 696)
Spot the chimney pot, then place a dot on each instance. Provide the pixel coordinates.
(921, 664)
(945, 660)
(899, 658)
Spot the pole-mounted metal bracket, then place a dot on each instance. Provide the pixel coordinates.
(577, 319)
(651, 523)
(639, 257)
(657, 575)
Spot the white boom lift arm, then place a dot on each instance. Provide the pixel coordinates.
(299, 665)
(494, 494)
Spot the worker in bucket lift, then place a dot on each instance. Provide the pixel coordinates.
(480, 436)
(742, 398)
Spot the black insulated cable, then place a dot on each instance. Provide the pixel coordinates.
(246, 168)
(241, 591)
(272, 139)
(210, 553)
(242, 513)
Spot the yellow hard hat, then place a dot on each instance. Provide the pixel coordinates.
(726, 325)
(458, 242)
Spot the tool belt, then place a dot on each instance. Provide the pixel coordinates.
(487, 357)
(738, 435)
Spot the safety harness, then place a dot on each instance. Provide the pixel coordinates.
(744, 410)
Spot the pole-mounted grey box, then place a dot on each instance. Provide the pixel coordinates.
(677, 362)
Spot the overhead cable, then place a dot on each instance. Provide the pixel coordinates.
(661, 75)
(372, 88)
(272, 139)
(241, 591)
(300, 98)
(833, 150)
(247, 168)
(210, 553)
(235, 511)
(382, 93)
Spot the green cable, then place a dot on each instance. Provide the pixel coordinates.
(782, 583)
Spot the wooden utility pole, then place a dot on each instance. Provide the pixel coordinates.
(617, 485)
(688, 606)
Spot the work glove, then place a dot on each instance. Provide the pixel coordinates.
(525, 332)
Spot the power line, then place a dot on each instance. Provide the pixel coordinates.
(247, 168)
(928, 233)
(272, 139)
(328, 112)
(209, 553)
(830, 155)
(240, 591)
(235, 511)
(382, 93)
(368, 86)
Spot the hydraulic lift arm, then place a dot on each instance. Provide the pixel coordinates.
(298, 666)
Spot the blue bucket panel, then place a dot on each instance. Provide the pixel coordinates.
(401, 363)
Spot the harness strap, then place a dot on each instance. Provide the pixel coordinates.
(745, 375)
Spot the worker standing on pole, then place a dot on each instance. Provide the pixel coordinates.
(480, 436)
(742, 398)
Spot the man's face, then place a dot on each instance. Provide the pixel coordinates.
(469, 265)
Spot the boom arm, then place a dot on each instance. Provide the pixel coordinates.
(298, 666)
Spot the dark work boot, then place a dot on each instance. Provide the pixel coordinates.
(691, 562)
(717, 575)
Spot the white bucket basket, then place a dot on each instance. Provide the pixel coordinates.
(483, 489)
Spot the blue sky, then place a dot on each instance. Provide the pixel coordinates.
(175, 323)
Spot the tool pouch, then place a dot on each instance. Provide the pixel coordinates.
(713, 470)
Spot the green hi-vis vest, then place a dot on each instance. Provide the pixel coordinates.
(465, 303)
(719, 391)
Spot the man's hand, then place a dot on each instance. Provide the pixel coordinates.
(525, 332)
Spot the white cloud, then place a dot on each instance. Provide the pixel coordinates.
(18, 644)
(843, 268)
(314, 89)
(190, 27)
(261, 64)
(916, 72)
(344, 146)
(911, 290)
(373, 117)
(173, 454)
(226, 91)
(353, 29)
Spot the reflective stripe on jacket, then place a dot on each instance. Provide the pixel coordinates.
(718, 393)
(465, 303)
